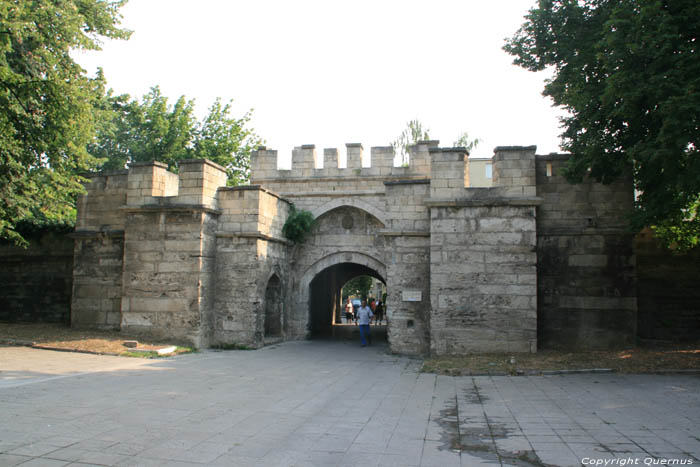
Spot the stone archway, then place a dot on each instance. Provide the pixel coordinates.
(354, 203)
(321, 286)
(338, 258)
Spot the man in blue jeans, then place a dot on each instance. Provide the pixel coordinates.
(364, 316)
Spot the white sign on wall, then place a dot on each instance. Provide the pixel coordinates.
(412, 295)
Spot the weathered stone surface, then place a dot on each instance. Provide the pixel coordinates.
(668, 293)
(36, 282)
(528, 261)
(586, 262)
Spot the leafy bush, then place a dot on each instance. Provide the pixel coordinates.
(298, 224)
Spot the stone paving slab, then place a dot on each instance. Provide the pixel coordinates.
(330, 403)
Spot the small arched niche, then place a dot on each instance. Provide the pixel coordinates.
(273, 307)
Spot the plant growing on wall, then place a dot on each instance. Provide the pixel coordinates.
(298, 224)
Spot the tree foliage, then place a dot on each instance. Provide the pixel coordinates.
(46, 104)
(153, 129)
(359, 285)
(463, 141)
(628, 72)
(413, 133)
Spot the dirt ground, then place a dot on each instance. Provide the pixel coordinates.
(641, 359)
(647, 358)
(56, 336)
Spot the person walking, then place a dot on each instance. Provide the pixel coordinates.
(379, 313)
(364, 317)
(349, 312)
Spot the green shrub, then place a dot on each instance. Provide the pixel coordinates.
(298, 224)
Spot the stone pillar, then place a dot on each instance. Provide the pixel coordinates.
(148, 180)
(382, 160)
(448, 172)
(263, 164)
(514, 169)
(354, 155)
(199, 180)
(303, 161)
(330, 161)
(419, 157)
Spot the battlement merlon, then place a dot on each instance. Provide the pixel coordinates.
(98, 209)
(264, 163)
(196, 184)
(199, 180)
(514, 169)
(252, 211)
(449, 172)
(148, 180)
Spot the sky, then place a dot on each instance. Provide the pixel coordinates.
(334, 72)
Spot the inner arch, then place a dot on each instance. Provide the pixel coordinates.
(325, 294)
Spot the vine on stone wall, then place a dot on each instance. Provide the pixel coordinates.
(298, 224)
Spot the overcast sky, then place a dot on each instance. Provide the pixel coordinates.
(336, 72)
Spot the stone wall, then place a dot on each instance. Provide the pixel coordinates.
(168, 278)
(483, 281)
(168, 271)
(37, 281)
(250, 249)
(668, 296)
(99, 252)
(586, 281)
(528, 261)
(407, 257)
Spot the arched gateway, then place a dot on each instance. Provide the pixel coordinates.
(185, 257)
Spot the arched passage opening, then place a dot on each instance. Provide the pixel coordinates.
(325, 307)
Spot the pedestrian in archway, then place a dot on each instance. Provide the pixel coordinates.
(349, 312)
(364, 317)
(379, 313)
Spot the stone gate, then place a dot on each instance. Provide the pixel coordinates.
(527, 261)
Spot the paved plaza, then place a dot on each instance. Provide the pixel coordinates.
(331, 403)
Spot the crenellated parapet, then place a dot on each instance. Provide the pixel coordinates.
(306, 163)
(196, 183)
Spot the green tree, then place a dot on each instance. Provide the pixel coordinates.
(46, 104)
(463, 141)
(226, 141)
(413, 133)
(359, 285)
(143, 131)
(154, 130)
(628, 73)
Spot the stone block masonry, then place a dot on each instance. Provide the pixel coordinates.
(668, 296)
(586, 261)
(37, 281)
(525, 263)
